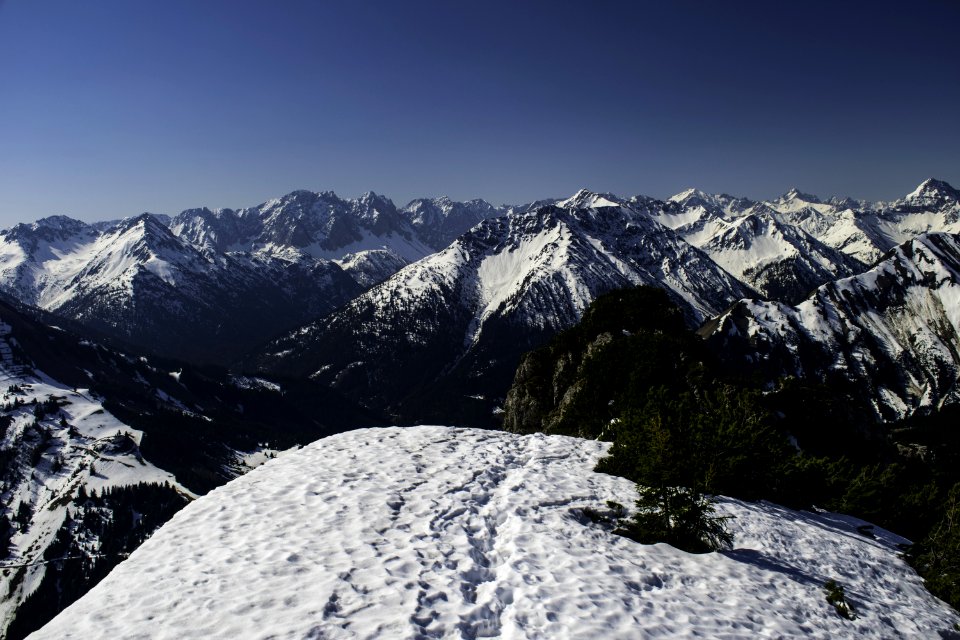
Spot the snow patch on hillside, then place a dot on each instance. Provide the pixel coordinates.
(79, 447)
(459, 533)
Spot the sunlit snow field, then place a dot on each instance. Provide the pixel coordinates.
(442, 532)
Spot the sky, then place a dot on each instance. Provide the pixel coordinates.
(109, 108)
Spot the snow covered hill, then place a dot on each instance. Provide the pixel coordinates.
(454, 324)
(455, 533)
(892, 332)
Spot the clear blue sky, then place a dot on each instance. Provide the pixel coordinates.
(113, 107)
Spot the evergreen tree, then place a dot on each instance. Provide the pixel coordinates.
(662, 448)
(937, 557)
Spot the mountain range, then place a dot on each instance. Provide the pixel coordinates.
(335, 313)
(353, 291)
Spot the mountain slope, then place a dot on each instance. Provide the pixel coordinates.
(454, 324)
(439, 221)
(891, 333)
(97, 449)
(441, 532)
(58, 445)
(141, 285)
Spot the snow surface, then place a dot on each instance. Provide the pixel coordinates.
(458, 533)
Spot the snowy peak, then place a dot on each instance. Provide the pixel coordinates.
(324, 225)
(795, 194)
(933, 192)
(439, 221)
(694, 203)
(586, 199)
(62, 224)
(688, 194)
(50, 229)
(719, 202)
(216, 230)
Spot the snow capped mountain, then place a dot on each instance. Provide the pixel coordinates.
(215, 282)
(109, 225)
(780, 261)
(795, 199)
(867, 231)
(38, 259)
(753, 242)
(307, 224)
(214, 231)
(787, 246)
(933, 206)
(469, 311)
(140, 284)
(326, 226)
(439, 221)
(442, 532)
(933, 194)
(585, 199)
(722, 205)
(891, 333)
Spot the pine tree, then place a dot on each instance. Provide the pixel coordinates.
(937, 557)
(672, 470)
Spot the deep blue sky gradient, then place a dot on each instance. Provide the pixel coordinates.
(112, 107)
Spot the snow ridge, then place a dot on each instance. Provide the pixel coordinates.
(459, 533)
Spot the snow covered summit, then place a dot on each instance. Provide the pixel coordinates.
(457, 533)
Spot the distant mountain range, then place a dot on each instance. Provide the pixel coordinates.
(353, 291)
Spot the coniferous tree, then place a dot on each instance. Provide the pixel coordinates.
(937, 557)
